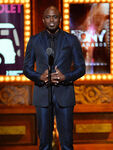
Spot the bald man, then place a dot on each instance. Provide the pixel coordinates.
(65, 50)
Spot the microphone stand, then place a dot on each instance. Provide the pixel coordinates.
(51, 59)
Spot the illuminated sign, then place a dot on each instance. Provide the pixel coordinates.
(93, 34)
(15, 30)
(11, 39)
(92, 22)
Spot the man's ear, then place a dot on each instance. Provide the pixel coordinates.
(60, 19)
(43, 20)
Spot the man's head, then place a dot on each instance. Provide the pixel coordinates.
(51, 19)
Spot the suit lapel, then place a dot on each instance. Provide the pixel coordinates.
(59, 44)
(44, 45)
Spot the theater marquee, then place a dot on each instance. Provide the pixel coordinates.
(92, 22)
(15, 30)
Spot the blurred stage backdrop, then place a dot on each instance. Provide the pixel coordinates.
(92, 22)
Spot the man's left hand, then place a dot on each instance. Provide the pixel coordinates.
(57, 76)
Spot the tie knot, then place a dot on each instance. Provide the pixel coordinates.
(52, 37)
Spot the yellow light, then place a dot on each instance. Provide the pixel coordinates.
(22, 1)
(110, 77)
(17, 1)
(112, 55)
(111, 10)
(27, 16)
(104, 77)
(66, 5)
(76, 1)
(27, 11)
(112, 66)
(27, 22)
(111, 15)
(27, 27)
(92, 1)
(18, 78)
(27, 1)
(86, 1)
(65, 1)
(12, 78)
(1, 1)
(97, 1)
(70, 1)
(27, 39)
(66, 27)
(2, 79)
(27, 5)
(11, 1)
(88, 77)
(111, 32)
(81, 1)
(112, 38)
(66, 16)
(66, 11)
(66, 22)
(99, 77)
(82, 78)
(23, 78)
(7, 78)
(111, 44)
(5, 1)
(93, 77)
(27, 33)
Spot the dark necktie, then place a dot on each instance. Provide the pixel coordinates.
(52, 43)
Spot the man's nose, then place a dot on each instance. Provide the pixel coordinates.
(51, 19)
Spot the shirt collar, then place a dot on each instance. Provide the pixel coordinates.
(54, 36)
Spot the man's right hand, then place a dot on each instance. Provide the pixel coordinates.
(44, 76)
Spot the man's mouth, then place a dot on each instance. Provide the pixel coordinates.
(52, 24)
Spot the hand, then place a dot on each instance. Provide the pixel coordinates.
(57, 76)
(44, 76)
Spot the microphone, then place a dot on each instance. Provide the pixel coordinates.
(50, 54)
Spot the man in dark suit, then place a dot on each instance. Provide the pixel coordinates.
(66, 49)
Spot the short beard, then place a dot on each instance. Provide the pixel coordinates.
(52, 31)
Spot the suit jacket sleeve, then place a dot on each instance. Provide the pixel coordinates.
(78, 60)
(29, 61)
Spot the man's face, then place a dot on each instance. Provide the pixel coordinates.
(51, 19)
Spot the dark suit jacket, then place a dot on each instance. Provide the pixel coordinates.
(68, 50)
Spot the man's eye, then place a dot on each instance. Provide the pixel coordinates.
(55, 17)
(47, 17)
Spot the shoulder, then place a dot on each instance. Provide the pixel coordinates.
(36, 37)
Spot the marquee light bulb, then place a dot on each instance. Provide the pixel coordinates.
(66, 22)
(66, 5)
(98, 77)
(2, 79)
(17, 1)
(5, 1)
(93, 77)
(27, 11)
(27, 5)
(27, 1)
(66, 16)
(11, 1)
(66, 11)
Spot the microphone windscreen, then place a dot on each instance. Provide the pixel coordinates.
(49, 51)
